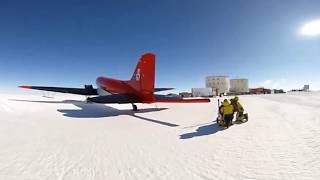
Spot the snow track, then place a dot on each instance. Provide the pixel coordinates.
(63, 139)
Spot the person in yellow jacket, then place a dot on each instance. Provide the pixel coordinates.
(226, 113)
(240, 116)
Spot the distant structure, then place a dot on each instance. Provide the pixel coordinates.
(239, 86)
(306, 87)
(219, 84)
(185, 94)
(202, 92)
(277, 91)
(222, 85)
(260, 90)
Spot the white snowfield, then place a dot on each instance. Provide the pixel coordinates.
(65, 138)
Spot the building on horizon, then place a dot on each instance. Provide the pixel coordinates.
(185, 94)
(239, 86)
(219, 84)
(306, 87)
(202, 92)
(260, 90)
(223, 84)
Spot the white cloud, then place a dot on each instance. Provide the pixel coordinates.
(266, 82)
(287, 84)
(275, 84)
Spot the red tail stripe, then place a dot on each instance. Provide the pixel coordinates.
(183, 100)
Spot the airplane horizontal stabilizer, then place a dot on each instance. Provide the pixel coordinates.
(162, 89)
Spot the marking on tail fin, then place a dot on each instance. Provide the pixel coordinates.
(138, 75)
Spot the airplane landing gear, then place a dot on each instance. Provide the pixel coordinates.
(134, 107)
(87, 101)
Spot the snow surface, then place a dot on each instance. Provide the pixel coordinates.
(64, 138)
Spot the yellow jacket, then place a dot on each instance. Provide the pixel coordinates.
(239, 107)
(226, 109)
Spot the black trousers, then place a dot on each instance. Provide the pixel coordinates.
(228, 119)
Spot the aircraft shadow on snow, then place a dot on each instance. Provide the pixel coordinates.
(204, 130)
(93, 110)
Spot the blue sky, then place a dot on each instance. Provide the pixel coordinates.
(71, 42)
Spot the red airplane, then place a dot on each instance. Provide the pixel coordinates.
(140, 89)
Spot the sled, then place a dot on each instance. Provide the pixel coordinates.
(242, 121)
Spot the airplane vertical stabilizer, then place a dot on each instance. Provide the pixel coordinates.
(144, 76)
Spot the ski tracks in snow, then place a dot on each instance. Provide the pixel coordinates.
(5, 107)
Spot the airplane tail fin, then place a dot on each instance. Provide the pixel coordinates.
(144, 76)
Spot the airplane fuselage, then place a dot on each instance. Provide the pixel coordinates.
(113, 86)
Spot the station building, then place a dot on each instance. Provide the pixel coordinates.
(219, 84)
(202, 92)
(223, 84)
(239, 86)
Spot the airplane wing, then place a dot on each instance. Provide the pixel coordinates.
(162, 89)
(169, 99)
(87, 90)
